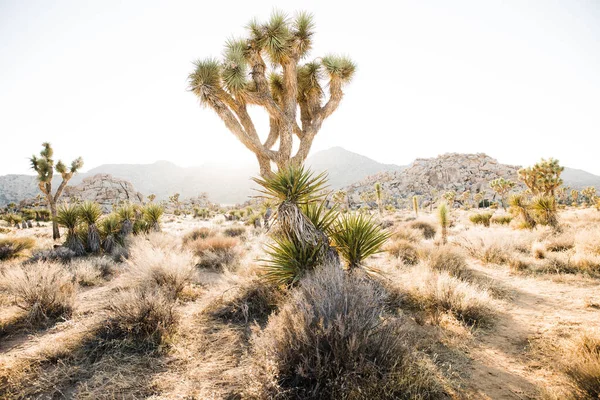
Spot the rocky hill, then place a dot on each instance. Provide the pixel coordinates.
(448, 172)
(104, 190)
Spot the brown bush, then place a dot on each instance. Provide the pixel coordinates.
(15, 247)
(428, 230)
(198, 233)
(444, 258)
(404, 250)
(332, 341)
(215, 252)
(234, 231)
(44, 290)
(582, 364)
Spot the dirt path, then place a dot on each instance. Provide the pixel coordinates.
(503, 367)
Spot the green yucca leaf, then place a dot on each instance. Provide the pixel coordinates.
(339, 67)
(443, 214)
(152, 213)
(126, 212)
(321, 217)
(293, 184)
(277, 37)
(357, 237)
(205, 79)
(276, 86)
(303, 30)
(235, 68)
(90, 212)
(109, 225)
(288, 260)
(309, 76)
(68, 216)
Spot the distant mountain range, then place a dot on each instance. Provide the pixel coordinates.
(230, 185)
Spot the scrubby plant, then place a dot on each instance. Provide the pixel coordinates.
(68, 216)
(290, 90)
(234, 231)
(198, 233)
(444, 258)
(44, 167)
(152, 214)
(15, 247)
(520, 207)
(582, 363)
(449, 198)
(90, 212)
(357, 237)
(404, 250)
(43, 289)
(444, 220)
(109, 231)
(215, 252)
(544, 209)
(332, 340)
(543, 178)
(501, 219)
(481, 219)
(60, 254)
(478, 198)
(428, 230)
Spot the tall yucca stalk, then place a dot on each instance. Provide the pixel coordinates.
(415, 202)
(444, 220)
(90, 213)
(68, 216)
(379, 197)
(357, 237)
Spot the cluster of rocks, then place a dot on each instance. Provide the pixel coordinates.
(105, 190)
(427, 176)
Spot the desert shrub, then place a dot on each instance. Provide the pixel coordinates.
(109, 232)
(252, 302)
(69, 216)
(90, 212)
(408, 234)
(588, 241)
(152, 213)
(404, 250)
(85, 274)
(428, 230)
(43, 289)
(439, 292)
(157, 264)
(517, 264)
(582, 364)
(198, 233)
(332, 341)
(481, 219)
(58, 254)
(444, 258)
(538, 250)
(15, 247)
(560, 243)
(215, 252)
(501, 219)
(558, 265)
(234, 231)
(488, 249)
(146, 318)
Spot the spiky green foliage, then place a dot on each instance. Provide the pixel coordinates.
(320, 216)
(288, 260)
(152, 215)
(379, 196)
(264, 69)
(543, 178)
(444, 219)
(90, 212)
(110, 227)
(293, 184)
(69, 216)
(481, 219)
(126, 213)
(520, 207)
(544, 209)
(356, 237)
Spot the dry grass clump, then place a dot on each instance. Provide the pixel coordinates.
(332, 340)
(252, 302)
(439, 292)
(445, 258)
(538, 250)
(582, 364)
(85, 274)
(404, 250)
(407, 234)
(215, 252)
(588, 241)
(488, 248)
(142, 318)
(45, 291)
(198, 233)
(501, 219)
(518, 264)
(560, 243)
(59, 254)
(234, 231)
(157, 261)
(427, 230)
(15, 247)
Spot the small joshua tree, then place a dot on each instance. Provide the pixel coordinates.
(415, 202)
(341, 197)
(444, 221)
(543, 178)
(574, 196)
(287, 91)
(590, 194)
(68, 216)
(151, 197)
(464, 198)
(175, 200)
(44, 166)
(478, 198)
(379, 197)
(449, 197)
(502, 187)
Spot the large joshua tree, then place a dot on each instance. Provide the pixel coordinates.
(45, 167)
(287, 90)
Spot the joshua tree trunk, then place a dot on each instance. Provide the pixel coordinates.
(53, 213)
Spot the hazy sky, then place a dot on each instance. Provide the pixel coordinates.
(106, 80)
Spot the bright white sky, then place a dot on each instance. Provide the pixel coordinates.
(107, 79)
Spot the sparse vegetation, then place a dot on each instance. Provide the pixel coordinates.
(15, 247)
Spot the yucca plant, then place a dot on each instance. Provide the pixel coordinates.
(444, 219)
(126, 213)
(69, 216)
(289, 260)
(481, 219)
(90, 213)
(415, 202)
(519, 206)
(379, 197)
(356, 237)
(110, 228)
(320, 216)
(290, 189)
(152, 215)
(544, 208)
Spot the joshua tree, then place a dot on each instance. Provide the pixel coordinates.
(478, 198)
(464, 198)
(341, 197)
(368, 197)
(151, 197)
(175, 200)
(590, 194)
(502, 187)
(286, 90)
(543, 178)
(574, 196)
(44, 166)
(449, 197)
(444, 220)
(415, 202)
(379, 197)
